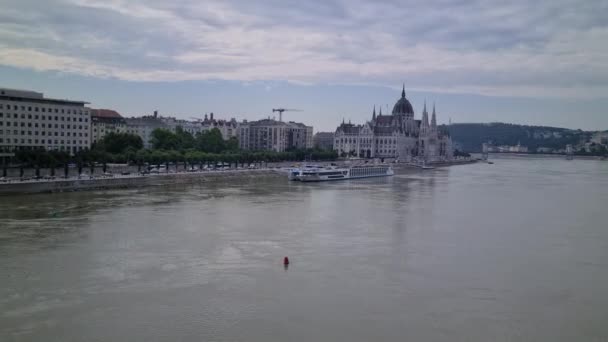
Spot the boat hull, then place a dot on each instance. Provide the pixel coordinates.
(342, 175)
(318, 179)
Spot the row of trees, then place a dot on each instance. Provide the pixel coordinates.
(181, 146)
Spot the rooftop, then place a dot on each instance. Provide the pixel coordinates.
(33, 96)
(105, 113)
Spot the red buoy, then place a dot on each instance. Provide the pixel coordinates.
(286, 261)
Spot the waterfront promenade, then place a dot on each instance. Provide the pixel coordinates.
(131, 178)
(112, 181)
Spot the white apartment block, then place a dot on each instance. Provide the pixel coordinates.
(144, 126)
(30, 121)
(272, 135)
(192, 127)
(106, 121)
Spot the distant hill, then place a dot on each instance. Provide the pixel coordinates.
(470, 136)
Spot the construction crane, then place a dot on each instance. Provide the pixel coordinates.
(281, 110)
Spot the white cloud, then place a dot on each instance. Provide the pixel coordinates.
(518, 49)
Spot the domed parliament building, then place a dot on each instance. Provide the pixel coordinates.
(398, 135)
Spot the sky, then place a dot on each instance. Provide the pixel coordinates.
(519, 61)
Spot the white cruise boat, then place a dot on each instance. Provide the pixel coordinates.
(360, 171)
(294, 172)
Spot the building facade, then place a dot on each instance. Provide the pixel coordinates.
(106, 121)
(398, 135)
(324, 140)
(144, 126)
(30, 121)
(273, 135)
(192, 127)
(228, 128)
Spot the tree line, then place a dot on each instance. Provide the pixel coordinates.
(166, 147)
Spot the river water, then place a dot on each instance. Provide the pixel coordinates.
(515, 251)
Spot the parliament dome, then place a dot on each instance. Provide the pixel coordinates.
(403, 106)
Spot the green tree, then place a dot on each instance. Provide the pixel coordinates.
(211, 141)
(119, 142)
(163, 139)
(185, 139)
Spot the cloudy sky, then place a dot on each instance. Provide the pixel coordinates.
(513, 61)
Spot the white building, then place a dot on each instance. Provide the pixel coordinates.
(144, 126)
(30, 121)
(273, 135)
(397, 135)
(192, 127)
(106, 121)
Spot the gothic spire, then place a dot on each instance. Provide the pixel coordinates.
(380, 111)
(374, 114)
(424, 125)
(434, 119)
(403, 91)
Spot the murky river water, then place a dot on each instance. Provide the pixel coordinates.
(507, 252)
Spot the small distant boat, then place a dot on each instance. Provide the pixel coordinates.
(490, 162)
(422, 165)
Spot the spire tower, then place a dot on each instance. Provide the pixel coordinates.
(424, 125)
(434, 120)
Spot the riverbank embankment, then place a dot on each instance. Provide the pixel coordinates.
(132, 181)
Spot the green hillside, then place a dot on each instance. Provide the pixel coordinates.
(470, 136)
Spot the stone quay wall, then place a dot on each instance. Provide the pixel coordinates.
(60, 185)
